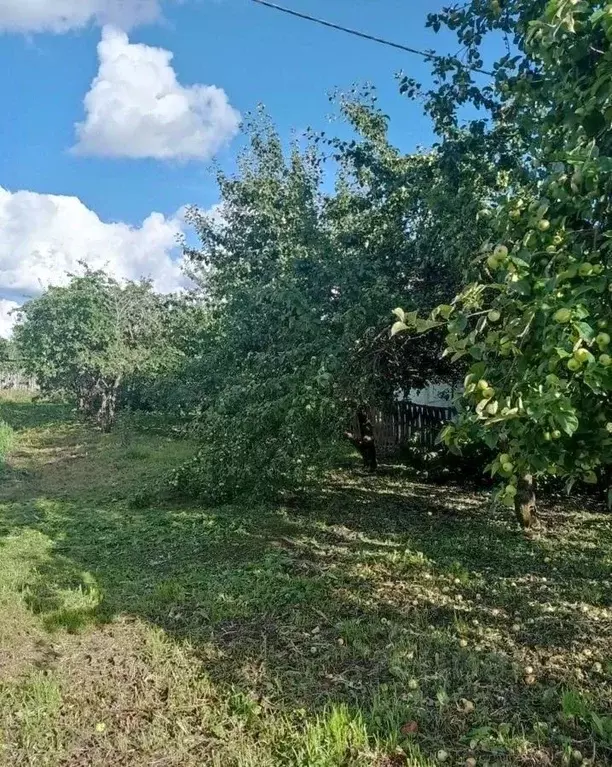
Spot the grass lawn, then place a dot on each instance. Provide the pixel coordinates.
(377, 623)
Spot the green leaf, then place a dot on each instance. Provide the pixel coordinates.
(581, 312)
(522, 287)
(598, 724)
(568, 422)
(398, 327)
(594, 123)
(491, 439)
(422, 326)
(399, 313)
(520, 261)
(508, 416)
(478, 369)
(446, 435)
(458, 325)
(585, 330)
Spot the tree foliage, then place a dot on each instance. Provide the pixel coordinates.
(265, 383)
(535, 324)
(172, 383)
(296, 280)
(88, 337)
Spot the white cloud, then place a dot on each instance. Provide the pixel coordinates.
(137, 108)
(43, 238)
(62, 15)
(6, 319)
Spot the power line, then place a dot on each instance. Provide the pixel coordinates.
(365, 36)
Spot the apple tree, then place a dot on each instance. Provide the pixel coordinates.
(536, 324)
(85, 338)
(297, 280)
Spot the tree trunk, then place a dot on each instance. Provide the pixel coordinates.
(102, 418)
(84, 400)
(107, 412)
(607, 486)
(365, 442)
(525, 502)
(87, 400)
(111, 406)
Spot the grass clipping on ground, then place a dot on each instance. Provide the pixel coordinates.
(379, 623)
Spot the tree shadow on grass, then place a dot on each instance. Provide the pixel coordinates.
(28, 415)
(348, 597)
(451, 525)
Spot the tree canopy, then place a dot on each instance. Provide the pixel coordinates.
(87, 337)
(535, 323)
(297, 280)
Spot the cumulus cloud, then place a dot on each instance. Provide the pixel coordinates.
(137, 108)
(43, 237)
(62, 15)
(7, 320)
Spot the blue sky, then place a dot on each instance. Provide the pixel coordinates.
(255, 55)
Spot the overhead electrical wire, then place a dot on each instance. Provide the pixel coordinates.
(365, 36)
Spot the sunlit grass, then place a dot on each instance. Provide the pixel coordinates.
(382, 622)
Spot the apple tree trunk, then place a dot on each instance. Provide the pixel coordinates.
(525, 502)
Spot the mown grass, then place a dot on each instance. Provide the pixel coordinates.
(378, 623)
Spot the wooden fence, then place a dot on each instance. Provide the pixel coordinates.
(407, 424)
